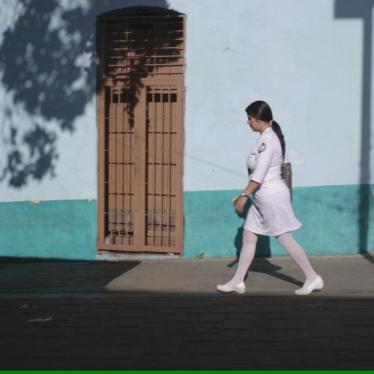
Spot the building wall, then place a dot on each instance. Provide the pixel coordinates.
(311, 60)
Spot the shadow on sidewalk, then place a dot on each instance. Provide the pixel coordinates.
(369, 257)
(263, 265)
(49, 275)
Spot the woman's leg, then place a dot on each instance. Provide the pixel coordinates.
(297, 253)
(246, 256)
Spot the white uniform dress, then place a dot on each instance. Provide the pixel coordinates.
(271, 211)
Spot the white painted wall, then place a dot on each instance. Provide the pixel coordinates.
(294, 54)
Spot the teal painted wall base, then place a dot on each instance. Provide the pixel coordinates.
(63, 229)
(336, 220)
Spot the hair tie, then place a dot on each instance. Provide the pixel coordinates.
(271, 122)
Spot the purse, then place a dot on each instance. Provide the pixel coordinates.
(286, 174)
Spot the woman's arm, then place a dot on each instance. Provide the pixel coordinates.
(265, 153)
(240, 201)
(252, 187)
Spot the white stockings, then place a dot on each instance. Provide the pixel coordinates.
(286, 241)
(297, 253)
(246, 256)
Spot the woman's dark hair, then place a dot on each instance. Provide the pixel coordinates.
(261, 111)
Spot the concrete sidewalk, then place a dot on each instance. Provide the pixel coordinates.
(346, 276)
(166, 314)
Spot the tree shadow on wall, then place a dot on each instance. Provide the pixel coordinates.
(135, 43)
(47, 67)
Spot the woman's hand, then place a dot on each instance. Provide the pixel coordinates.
(239, 203)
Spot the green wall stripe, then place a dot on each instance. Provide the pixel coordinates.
(64, 229)
(336, 220)
(331, 217)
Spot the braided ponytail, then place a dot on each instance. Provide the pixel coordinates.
(276, 128)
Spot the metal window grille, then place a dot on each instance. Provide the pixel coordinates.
(140, 118)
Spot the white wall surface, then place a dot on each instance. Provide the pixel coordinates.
(294, 54)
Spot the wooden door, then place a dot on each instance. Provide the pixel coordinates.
(140, 102)
(141, 168)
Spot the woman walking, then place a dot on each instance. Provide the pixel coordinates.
(271, 212)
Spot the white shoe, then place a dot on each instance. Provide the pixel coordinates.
(239, 288)
(317, 284)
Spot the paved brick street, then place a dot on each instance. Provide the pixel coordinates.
(64, 315)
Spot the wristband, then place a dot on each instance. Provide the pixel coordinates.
(244, 194)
